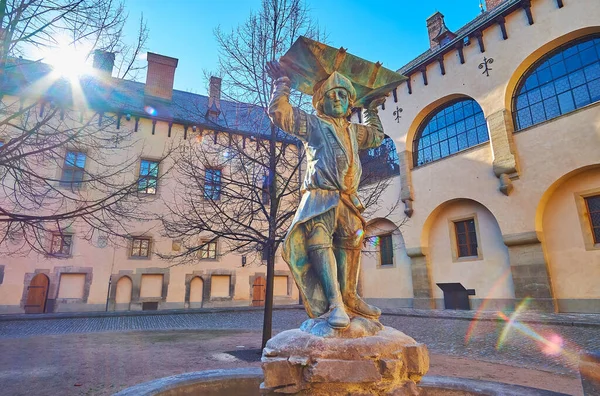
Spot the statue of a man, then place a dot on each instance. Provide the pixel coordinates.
(323, 245)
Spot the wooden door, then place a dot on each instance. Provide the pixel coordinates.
(37, 292)
(259, 291)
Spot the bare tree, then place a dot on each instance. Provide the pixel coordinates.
(66, 161)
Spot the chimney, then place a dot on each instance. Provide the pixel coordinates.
(160, 76)
(491, 4)
(438, 32)
(104, 62)
(214, 97)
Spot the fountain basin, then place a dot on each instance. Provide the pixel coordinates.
(246, 382)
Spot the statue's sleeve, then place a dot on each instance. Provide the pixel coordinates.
(290, 119)
(370, 135)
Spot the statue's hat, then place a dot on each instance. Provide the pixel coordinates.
(308, 63)
(335, 80)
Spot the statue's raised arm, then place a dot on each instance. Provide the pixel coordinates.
(288, 118)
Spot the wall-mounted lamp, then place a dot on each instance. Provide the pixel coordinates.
(128, 117)
(194, 128)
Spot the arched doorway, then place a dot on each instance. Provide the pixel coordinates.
(37, 293)
(196, 292)
(259, 292)
(123, 295)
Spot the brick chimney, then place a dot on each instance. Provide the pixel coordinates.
(491, 4)
(214, 97)
(438, 32)
(104, 62)
(160, 76)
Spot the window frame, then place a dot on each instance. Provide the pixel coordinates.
(206, 247)
(537, 65)
(454, 245)
(148, 177)
(132, 248)
(433, 114)
(585, 221)
(62, 237)
(589, 214)
(215, 187)
(73, 168)
(380, 250)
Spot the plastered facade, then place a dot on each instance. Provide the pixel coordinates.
(521, 186)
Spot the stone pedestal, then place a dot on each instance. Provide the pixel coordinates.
(388, 363)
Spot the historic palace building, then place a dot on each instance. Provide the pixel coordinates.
(498, 134)
(494, 199)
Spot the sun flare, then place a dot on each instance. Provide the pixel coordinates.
(68, 60)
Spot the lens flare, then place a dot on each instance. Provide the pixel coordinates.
(150, 110)
(554, 345)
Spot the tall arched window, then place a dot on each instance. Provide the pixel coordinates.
(451, 128)
(562, 81)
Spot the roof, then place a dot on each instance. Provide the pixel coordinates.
(24, 77)
(480, 22)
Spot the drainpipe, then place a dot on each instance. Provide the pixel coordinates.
(112, 265)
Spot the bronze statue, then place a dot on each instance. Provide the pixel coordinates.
(328, 229)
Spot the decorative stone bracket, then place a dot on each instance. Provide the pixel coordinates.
(405, 182)
(503, 148)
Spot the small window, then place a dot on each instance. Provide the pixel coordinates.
(208, 250)
(73, 169)
(140, 247)
(386, 250)
(148, 179)
(61, 244)
(212, 184)
(466, 238)
(266, 195)
(265, 254)
(593, 210)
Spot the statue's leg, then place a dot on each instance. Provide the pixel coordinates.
(348, 245)
(320, 254)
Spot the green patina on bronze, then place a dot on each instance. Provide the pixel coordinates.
(323, 245)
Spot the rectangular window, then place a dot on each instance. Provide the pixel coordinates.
(386, 250)
(593, 210)
(61, 244)
(212, 184)
(208, 250)
(72, 172)
(265, 254)
(148, 179)
(466, 238)
(140, 247)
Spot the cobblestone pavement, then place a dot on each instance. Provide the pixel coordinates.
(523, 347)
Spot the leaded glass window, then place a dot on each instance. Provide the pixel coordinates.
(564, 80)
(212, 184)
(593, 209)
(148, 179)
(452, 128)
(73, 169)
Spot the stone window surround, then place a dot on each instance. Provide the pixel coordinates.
(188, 284)
(52, 300)
(290, 283)
(217, 249)
(208, 284)
(136, 285)
(454, 241)
(378, 253)
(130, 246)
(60, 234)
(1, 273)
(584, 220)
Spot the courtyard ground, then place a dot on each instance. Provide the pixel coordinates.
(102, 355)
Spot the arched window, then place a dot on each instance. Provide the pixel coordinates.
(562, 81)
(451, 128)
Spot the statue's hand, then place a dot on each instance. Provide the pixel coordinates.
(274, 70)
(375, 103)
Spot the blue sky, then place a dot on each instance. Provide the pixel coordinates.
(389, 31)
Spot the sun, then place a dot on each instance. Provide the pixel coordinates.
(68, 60)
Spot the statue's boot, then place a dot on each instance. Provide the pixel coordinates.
(323, 260)
(348, 272)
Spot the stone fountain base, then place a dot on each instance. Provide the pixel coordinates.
(388, 363)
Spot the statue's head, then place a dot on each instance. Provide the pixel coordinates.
(335, 96)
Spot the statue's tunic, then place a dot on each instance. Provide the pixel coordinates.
(332, 177)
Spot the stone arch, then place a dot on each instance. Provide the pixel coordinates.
(123, 291)
(196, 292)
(520, 71)
(386, 286)
(563, 226)
(488, 271)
